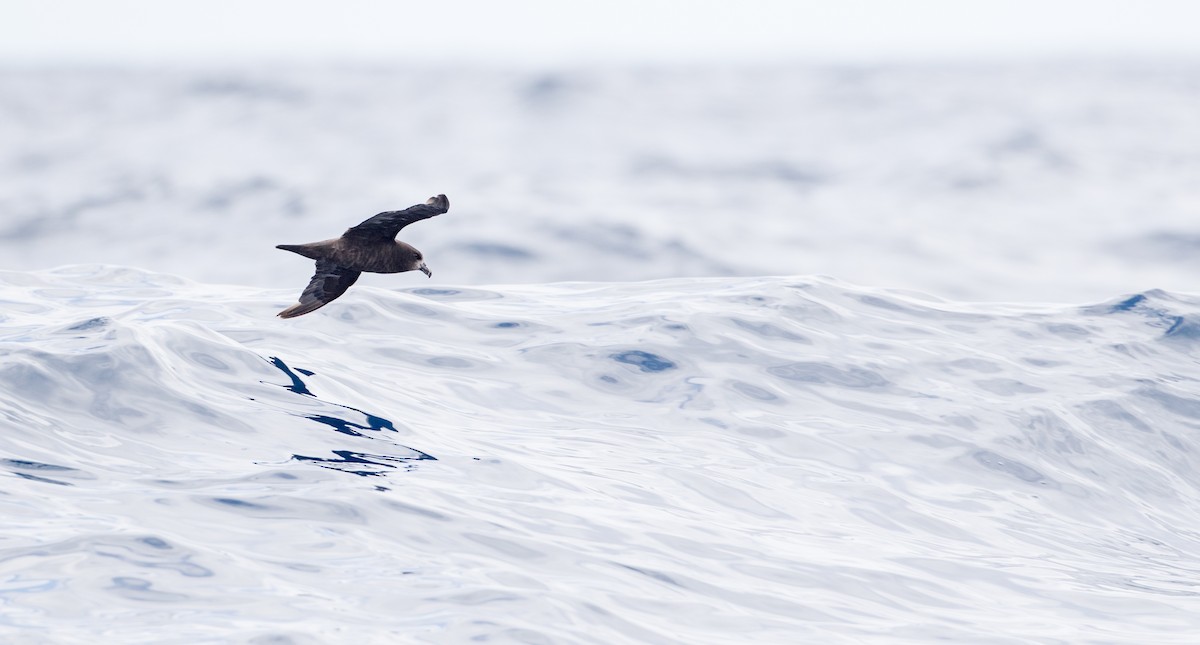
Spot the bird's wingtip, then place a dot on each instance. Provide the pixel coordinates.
(439, 202)
(295, 310)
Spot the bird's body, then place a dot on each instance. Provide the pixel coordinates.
(368, 257)
(369, 247)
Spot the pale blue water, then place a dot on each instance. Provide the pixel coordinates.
(771, 459)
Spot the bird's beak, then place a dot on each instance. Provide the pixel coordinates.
(424, 269)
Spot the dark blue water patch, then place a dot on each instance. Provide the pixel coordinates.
(131, 583)
(1128, 304)
(21, 468)
(506, 325)
(495, 250)
(93, 323)
(239, 503)
(645, 361)
(156, 543)
(297, 384)
(1183, 327)
(350, 428)
(374, 422)
(650, 573)
(1138, 302)
(144, 591)
(826, 374)
(339, 425)
(366, 464)
(25, 464)
(1142, 303)
(1177, 326)
(427, 291)
(44, 480)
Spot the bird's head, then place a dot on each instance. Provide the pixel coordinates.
(417, 263)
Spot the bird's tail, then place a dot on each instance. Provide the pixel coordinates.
(306, 250)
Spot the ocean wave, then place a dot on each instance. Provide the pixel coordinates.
(685, 460)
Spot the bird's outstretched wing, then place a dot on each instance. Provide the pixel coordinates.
(385, 226)
(329, 282)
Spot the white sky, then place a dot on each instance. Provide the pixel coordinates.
(554, 32)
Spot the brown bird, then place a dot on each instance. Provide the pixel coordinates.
(371, 246)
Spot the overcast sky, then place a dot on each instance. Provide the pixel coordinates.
(553, 32)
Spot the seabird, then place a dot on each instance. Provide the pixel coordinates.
(371, 246)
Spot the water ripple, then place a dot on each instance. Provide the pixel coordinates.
(675, 461)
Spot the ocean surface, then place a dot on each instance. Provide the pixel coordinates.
(774, 355)
(1028, 183)
(678, 461)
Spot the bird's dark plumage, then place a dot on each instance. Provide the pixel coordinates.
(385, 226)
(370, 247)
(329, 282)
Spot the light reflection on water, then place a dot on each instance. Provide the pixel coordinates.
(717, 460)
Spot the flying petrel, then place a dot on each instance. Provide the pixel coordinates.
(371, 246)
